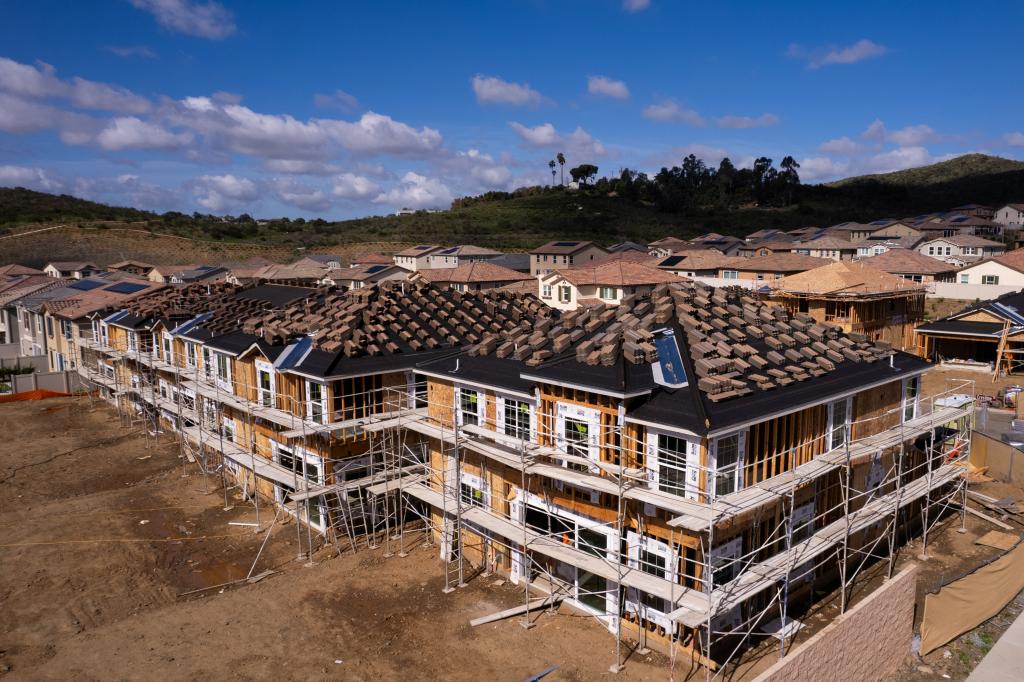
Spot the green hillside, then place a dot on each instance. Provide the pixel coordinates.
(604, 213)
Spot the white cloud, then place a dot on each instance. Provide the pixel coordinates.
(132, 133)
(579, 143)
(302, 196)
(493, 90)
(417, 191)
(819, 168)
(601, 85)
(127, 190)
(859, 51)
(131, 51)
(543, 135)
(379, 134)
(41, 82)
(1015, 139)
(203, 20)
(910, 136)
(762, 121)
(300, 167)
(840, 145)
(671, 112)
(824, 56)
(635, 5)
(280, 136)
(476, 171)
(223, 192)
(30, 178)
(339, 99)
(354, 187)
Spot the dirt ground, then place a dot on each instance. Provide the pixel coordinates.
(103, 532)
(100, 535)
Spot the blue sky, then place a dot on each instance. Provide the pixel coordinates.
(349, 109)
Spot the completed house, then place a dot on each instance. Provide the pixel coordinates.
(608, 284)
(912, 265)
(135, 268)
(961, 249)
(563, 255)
(703, 263)
(454, 256)
(416, 257)
(832, 248)
(359, 276)
(75, 269)
(772, 267)
(473, 276)
(1010, 216)
(1004, 270)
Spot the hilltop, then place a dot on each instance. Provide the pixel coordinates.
(959, 168)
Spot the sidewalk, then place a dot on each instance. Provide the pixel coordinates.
(1005, 662)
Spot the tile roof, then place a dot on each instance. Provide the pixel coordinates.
(361, 273)
(465, 250)
(562, 247)
(704, 259)
(965, 240)
(831, 243)
(419, 250)
(844, 278)
(783, 262)
(908, 262)
(476, 272)
(15, 269)
(617, 273)
(64, 266)
(625, 255)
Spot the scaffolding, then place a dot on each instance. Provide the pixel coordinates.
(718, 603)
(398, 488)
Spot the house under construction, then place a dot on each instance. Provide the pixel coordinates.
(688, 467)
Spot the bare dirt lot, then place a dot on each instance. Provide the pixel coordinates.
(100, 534)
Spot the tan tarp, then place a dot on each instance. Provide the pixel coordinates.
(970, 601)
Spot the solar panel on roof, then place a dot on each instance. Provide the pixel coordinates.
(375, 268)
(126, 287)
(566, 243)
(86, 285)
(420, 248)
(671, 260)
(451, 250)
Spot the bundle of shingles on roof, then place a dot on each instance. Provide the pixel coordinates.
(399, 317)
(736, 341)
(184, 302)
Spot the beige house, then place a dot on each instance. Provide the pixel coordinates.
(472, 276)
(454, 256)
(132, 267)
(416, 257)
(961, 249)
(562, 255)
(1011, 217)
(708, 263)
(609, 283)
(75, 269)
(912, 265)
(361, 276)
(1004, 270)
(832, 248)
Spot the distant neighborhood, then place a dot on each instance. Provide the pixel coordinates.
(837, 274)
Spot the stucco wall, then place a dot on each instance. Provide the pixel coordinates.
(868, 642)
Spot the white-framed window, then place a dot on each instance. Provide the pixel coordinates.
(990, 279)
(469, 407)
(911, 397)
(265, 383)
(673, 464)
(96, 330)
(727, 454)
(208, 369)
(316, 402)
(654, 557)
(931, 250)
(725, 564)
(223, 371)
(838, 420)
(168, 348)
(578, 433)
(473, 491)
(59, 362)
(133, 341)
(564, 294)
(545, 291)
(515, 418)
(227, 429)
(606, 293)
(308, 466)
(964, 279)
(104, 334)
(191, 355)
(730, 274)
(65, 329)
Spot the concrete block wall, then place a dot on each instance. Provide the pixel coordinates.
(868, 642)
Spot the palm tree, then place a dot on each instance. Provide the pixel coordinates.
(561, 162)
(551, 165)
